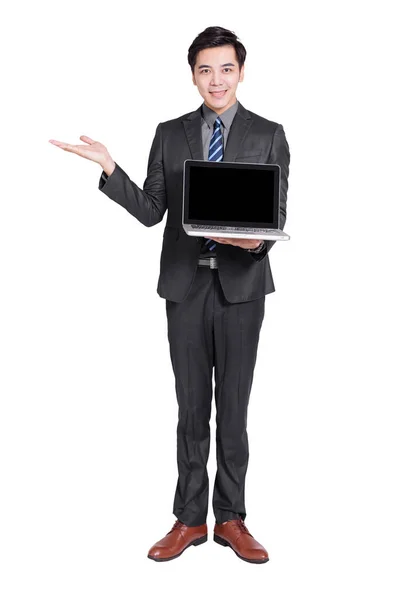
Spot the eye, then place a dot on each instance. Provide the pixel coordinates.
(225, 69)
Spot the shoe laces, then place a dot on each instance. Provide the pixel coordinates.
(177, 525)
(239, 524)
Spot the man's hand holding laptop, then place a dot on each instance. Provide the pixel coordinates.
(248, 244)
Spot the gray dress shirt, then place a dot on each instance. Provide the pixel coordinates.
(208, 117)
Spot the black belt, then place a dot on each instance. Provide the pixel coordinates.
(208, 262)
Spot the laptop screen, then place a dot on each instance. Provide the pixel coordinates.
(231, 194)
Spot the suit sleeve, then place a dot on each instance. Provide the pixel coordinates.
(149, 204)
(279, 155)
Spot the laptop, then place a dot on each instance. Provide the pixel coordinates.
(231, 199)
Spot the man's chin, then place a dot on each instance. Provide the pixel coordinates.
(217, 102)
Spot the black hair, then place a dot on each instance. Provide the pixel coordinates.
(212, 37)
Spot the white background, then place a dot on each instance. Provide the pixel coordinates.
(88, 405)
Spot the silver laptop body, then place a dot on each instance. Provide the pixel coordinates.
(231, 199)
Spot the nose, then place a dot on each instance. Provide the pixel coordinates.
(216, 80)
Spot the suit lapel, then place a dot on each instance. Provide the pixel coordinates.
(237, 134)
(192, 125)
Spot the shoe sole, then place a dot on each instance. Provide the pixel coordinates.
(194, 543)
(223, 542)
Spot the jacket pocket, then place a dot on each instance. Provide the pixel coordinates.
(248, 156)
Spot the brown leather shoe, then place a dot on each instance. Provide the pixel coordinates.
(236, 535)
(179, 538)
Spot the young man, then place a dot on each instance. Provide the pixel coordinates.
(214, 290)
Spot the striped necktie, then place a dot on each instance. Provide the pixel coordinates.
(215, 152)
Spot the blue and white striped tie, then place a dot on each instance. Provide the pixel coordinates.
(215, 152)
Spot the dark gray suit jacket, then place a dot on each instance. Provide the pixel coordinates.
(244, 276)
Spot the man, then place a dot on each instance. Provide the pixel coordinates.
(214, 290)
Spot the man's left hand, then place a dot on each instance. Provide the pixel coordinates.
(242, 242)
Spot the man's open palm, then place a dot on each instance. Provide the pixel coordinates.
(92, 150)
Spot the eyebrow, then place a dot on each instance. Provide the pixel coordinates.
(225, 65)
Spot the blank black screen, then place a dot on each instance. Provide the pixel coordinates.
(231, 194)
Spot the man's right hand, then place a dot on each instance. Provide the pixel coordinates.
(94, 151)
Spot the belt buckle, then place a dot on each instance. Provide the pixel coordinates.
(213, 262)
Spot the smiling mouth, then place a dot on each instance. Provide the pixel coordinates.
(218, 93)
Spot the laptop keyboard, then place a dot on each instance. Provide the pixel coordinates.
(228, 229)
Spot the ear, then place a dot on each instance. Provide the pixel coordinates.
(241, 76)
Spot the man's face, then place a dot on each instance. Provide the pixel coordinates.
(217, 69)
